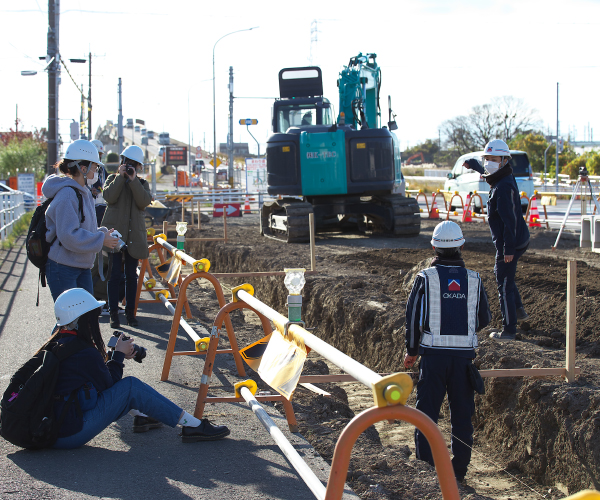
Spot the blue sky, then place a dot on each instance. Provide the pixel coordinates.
(438, 59)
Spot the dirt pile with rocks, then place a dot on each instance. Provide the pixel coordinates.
(542, 430)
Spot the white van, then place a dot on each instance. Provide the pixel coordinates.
(465, 180)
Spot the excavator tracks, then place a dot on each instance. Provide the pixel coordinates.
(286, 220)
(407, 218)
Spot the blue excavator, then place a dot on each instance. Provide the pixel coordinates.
(344, 170)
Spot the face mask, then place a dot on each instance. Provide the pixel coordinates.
(93, 180)
(491, 167)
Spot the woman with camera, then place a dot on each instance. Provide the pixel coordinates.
(71, 223)
(126, 196)
(102, 395)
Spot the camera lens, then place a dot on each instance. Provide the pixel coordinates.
(130, 170)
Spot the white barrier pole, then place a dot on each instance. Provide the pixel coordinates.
(305, 472)
(359, 372)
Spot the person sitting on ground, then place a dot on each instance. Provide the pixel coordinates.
(75, 236)
(509, 232)
(104, 396)
(446, 307)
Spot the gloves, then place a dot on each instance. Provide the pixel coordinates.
(473, 164)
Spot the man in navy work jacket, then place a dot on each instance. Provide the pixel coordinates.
(446, 307)
(509, 232)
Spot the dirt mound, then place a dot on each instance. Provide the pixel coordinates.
(544, 428)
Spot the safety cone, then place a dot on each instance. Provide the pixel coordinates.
(434, 213)
(534, 214)
(467, 216)
(247, 206)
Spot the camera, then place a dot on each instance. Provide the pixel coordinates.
(121, 244)
(129, 169)
(140, 352)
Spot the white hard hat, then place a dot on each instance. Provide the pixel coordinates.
(497, 147)
(99, 146)
(134, 153)
(74, 303)
(83, 150)
(447, 234)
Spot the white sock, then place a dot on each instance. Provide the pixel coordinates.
(137, 413)
(188, 420)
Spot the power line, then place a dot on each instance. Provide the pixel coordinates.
(67, 70)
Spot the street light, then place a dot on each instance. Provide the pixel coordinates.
(214, 105)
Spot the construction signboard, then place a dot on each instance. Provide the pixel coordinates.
(176, 155)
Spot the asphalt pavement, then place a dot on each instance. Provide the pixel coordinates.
(153, 465)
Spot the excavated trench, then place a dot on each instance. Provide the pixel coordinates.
(543, 431)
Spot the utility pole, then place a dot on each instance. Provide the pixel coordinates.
(90, 132)
(557, 136)
(81, 116)
(53, 70)
(230, 135)
(120, 120)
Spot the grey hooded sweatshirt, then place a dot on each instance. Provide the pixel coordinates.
(77, 243)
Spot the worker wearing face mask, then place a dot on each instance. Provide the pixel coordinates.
(509, 232)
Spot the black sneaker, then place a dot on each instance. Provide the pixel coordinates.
(204, 432)
(521, 314)
(502, 336)
(144, 424)
(114, 320)
(131, 320)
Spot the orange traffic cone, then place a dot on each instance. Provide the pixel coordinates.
(467, 210)
(534, 214)
(434, 213)
(247, 206)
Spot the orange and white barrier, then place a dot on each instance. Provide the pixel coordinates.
(466, 217)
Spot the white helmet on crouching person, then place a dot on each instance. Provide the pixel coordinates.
(495, 150)
(73, 303)
(134, 153)
(447, 239)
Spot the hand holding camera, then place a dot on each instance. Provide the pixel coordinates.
(120, 244)
(128, 170)
(122, 343)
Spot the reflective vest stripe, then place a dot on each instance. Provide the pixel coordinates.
(432, 313)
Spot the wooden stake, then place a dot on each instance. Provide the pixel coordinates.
(225, 223)
(165, 227)
(311, 224)
(198, 206)
(571, 318)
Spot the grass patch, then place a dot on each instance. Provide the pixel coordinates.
(20, 227)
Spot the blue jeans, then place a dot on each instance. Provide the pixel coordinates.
(508, 293)
(116, 276)
(438, 375)
(61, 277)
(127, 394)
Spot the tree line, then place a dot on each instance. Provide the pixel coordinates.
(512, 120)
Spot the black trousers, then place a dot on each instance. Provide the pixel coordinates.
(440, 375)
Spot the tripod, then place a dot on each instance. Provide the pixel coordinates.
(583, 178)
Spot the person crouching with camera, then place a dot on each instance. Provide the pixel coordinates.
(91, 392)
(126, 196)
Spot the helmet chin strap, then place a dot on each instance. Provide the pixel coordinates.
(76, 164)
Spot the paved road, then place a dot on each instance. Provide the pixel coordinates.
(154, 465)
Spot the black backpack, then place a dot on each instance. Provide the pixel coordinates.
(27, 408)
(36, 244)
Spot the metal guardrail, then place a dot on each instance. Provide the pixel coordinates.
(12, 208)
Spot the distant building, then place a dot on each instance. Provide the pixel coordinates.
(239, 148)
